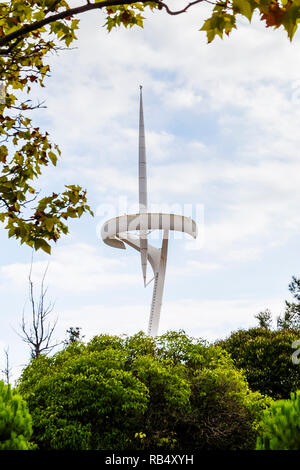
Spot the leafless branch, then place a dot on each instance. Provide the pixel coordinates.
(25, 107)
(7, 369)
(39, 335)
(178, 12)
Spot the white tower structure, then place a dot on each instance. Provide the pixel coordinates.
(117, 232)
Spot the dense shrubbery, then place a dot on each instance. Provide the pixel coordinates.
(15, 420)
(174, 392)
(266, 358)
(136, 393)
(281, 425)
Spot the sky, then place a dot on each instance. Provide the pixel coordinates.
(222, 139)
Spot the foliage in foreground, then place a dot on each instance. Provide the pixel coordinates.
(265, 356)
(281, 425)
(140, 393)
(15, 420)
(29, 32)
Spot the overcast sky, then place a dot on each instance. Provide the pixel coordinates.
(222, 134)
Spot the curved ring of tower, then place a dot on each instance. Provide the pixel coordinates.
(116, 233)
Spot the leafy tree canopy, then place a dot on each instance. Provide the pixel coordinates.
(265, 356)
(274, 13)
(15, 420)
(25, 149)
(140, 393)
(291, 316)
(280, 425)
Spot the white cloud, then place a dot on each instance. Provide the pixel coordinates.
(73, 268)
(97, 319)
(213, 319)
(180, 98)
(192, 268)
(197, 146)
(209, 319)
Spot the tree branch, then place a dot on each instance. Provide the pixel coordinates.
(29, 28)
(39, 335)
(7, 370)
(178, 12)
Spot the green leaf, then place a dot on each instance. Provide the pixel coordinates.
(217, 24)
(244, 7)
(42, 244)
(53, 158)
(291, 19)
(11, 232)
(49, 222)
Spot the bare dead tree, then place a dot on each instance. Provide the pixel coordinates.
(39, 334)
(7, 369)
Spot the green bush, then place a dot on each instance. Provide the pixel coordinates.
(121, 393)
(281, 425)
(266, 358)
(15, 420)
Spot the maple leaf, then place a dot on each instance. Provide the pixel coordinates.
(126, 17)
(39, 215)
(32, 78)
(274, 16)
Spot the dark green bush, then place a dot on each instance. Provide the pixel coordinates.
(266, 358)
(15, 420)
(281, 425)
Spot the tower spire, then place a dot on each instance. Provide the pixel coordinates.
(142, 160)
(143, 190)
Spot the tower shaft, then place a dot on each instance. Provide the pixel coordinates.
(142, 161)
(158, 289)
(143, 191)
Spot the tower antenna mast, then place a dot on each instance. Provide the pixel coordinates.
(116, 232)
